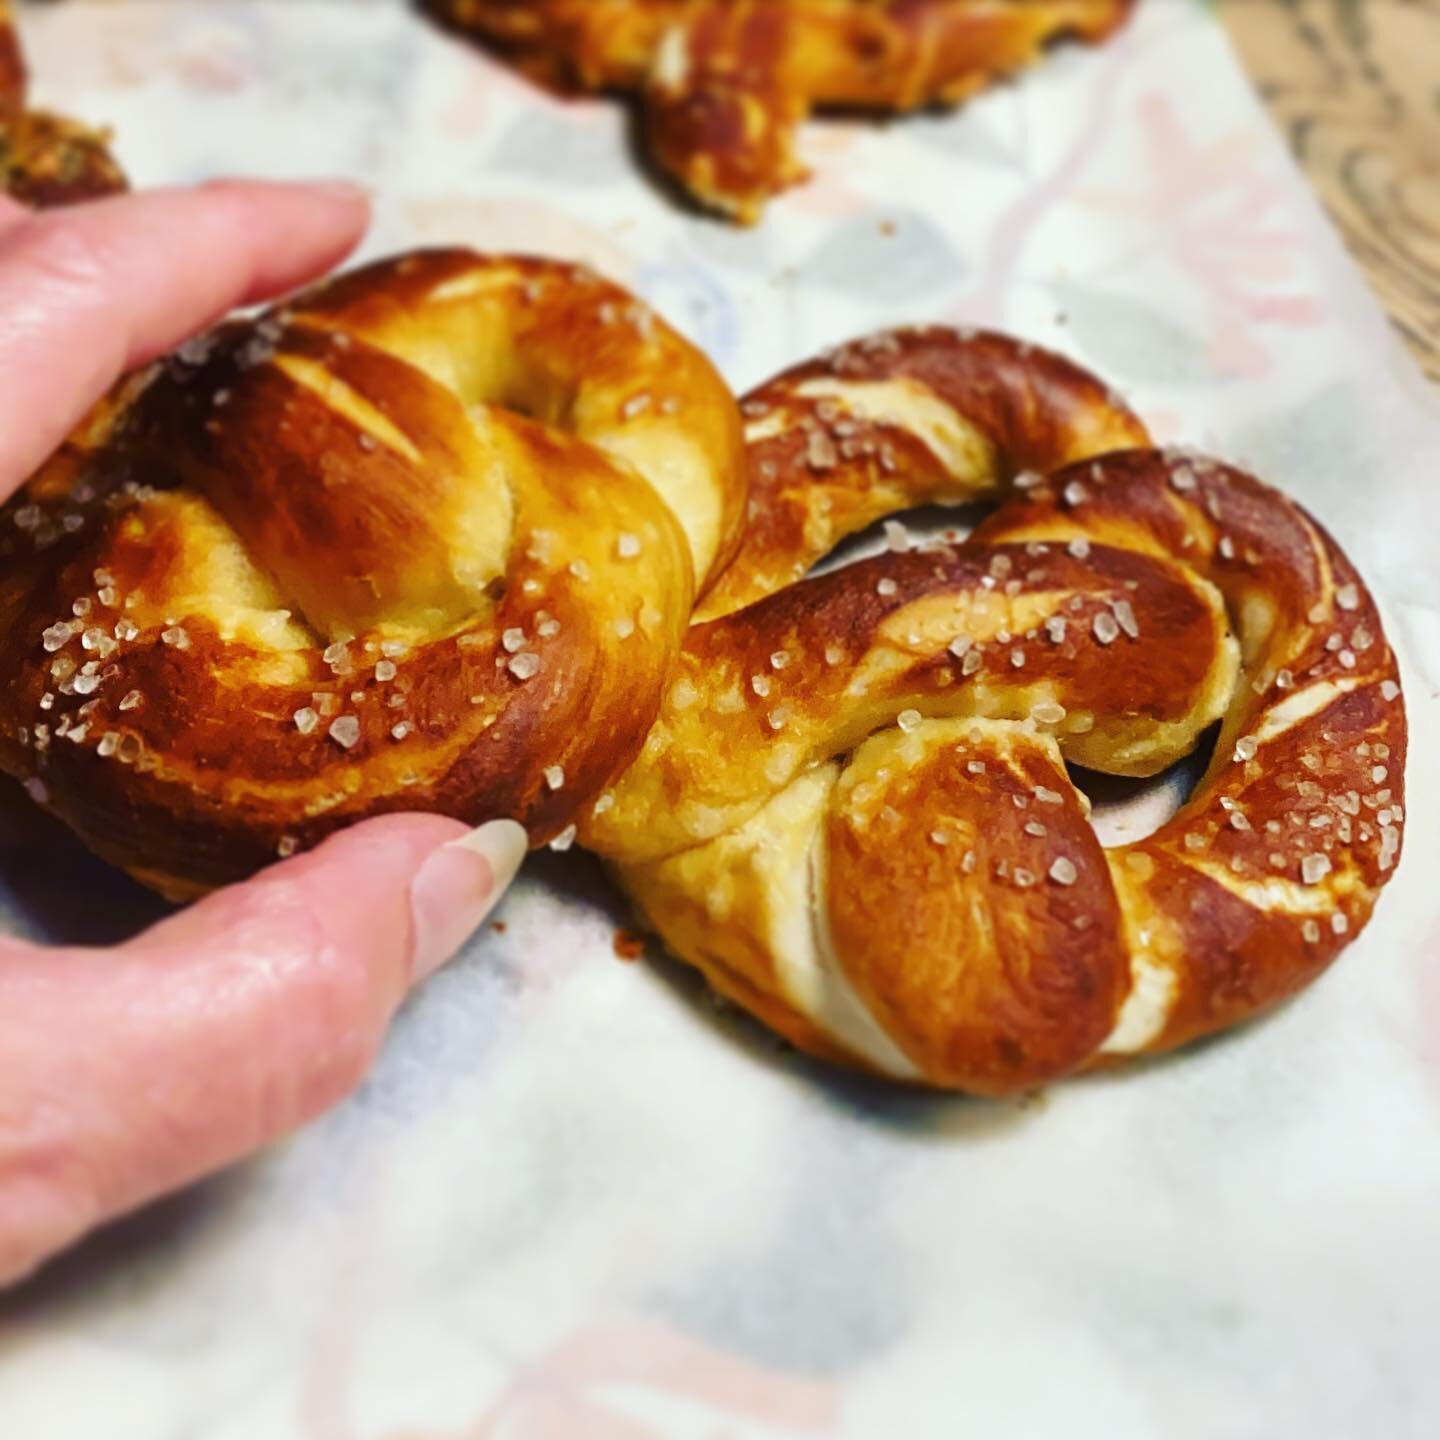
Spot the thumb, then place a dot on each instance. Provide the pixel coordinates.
(125, 1073)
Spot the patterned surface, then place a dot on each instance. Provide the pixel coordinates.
(1353, 88)
(574, 1201)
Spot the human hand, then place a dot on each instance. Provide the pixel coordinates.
(130, 1071)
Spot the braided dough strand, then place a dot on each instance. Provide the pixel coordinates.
(854, 813)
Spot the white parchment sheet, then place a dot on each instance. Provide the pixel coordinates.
(575, 1201)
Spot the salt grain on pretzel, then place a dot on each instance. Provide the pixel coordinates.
(819, 895)
(495, 544)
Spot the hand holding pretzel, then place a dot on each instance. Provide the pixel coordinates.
(424, 539)
(854, 815)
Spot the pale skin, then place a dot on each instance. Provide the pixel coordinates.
(130, 1071)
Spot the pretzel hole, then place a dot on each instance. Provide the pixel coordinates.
(1124, 810)
(951, 524)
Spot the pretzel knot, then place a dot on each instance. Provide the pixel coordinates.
(854, 815)
(45, 159)
(426, 539)
(726, 83)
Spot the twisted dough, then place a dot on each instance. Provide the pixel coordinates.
(854, 814)
(45, 159)
(426, 539)
(726, 83)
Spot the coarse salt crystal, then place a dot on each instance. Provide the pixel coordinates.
(345, 730)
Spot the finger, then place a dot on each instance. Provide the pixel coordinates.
(93, 290)
(127, 1073)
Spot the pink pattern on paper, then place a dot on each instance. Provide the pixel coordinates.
(563, 1395)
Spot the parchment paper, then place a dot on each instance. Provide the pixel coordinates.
(577, 1201)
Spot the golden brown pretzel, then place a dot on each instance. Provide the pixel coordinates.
(726, 83)
(427, 538)
(45, 159)
(854, 815)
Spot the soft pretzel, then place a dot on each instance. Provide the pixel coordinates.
(427, 538)
(726, 83)
(45, 159)
(854, 814)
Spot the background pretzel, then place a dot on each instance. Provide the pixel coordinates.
(726, 83)
(854, 814)
(426, 539)
(45, 160)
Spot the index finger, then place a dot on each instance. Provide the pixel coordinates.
(89, 292)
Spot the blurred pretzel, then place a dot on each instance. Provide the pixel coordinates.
(854, 815)
(426, 539)
(45, 159)
(726, 83)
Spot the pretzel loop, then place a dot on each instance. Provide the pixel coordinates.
(854, 814)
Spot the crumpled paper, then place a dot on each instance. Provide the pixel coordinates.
(577, 1201)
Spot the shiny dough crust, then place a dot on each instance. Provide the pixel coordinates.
(854, 814)
(426, 539)
(46, 160)
(725, 84)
